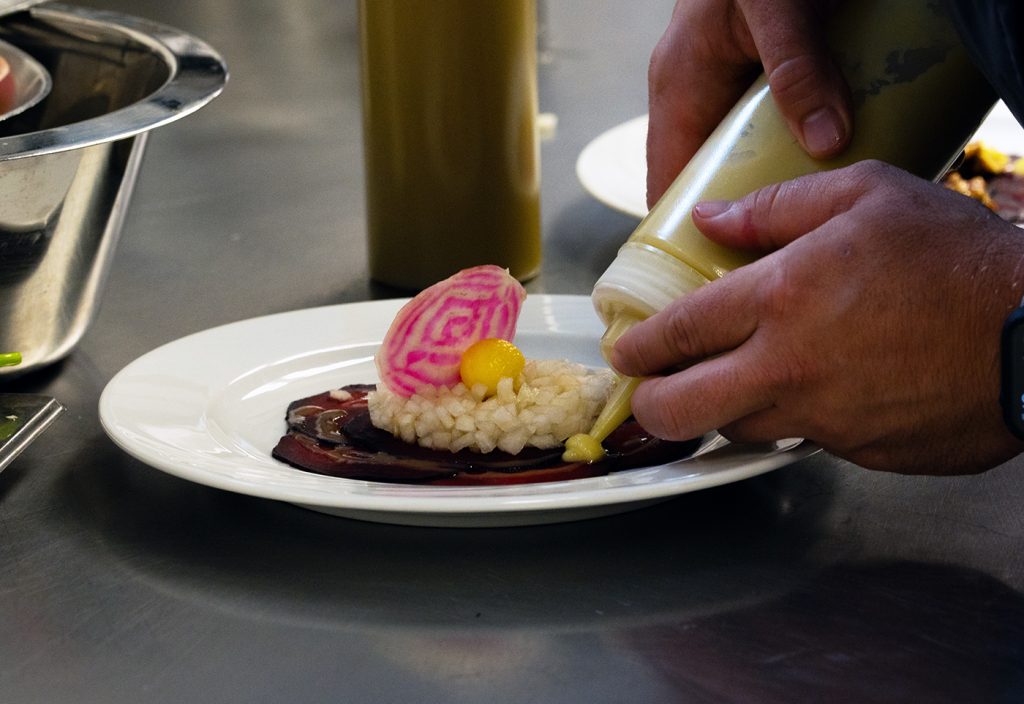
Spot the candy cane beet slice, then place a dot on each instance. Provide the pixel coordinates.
(424, 345)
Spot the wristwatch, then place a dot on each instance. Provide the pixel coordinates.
(1011, 392)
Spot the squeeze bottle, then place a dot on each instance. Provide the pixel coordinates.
(450, 135)
(917, 101)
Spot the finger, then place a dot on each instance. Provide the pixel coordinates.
(703, 397)
(774, 216)
(808, 87)
(716, 317)
(699, 69)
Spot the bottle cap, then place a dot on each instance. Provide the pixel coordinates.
(641, 281)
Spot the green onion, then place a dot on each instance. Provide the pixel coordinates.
(9, 425)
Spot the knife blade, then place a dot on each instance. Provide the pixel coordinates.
(22, 418)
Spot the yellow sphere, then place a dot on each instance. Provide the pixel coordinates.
(489, 361)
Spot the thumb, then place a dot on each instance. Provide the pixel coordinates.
(807, 86)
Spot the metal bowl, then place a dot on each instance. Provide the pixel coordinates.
(24, 81)
(68, 165)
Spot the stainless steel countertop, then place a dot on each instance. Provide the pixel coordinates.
(118, 583)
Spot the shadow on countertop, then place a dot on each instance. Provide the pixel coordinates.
(700, 553)
(723, 594)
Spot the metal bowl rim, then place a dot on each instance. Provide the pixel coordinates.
(40, 74)
(197, 74)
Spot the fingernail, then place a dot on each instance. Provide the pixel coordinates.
(823, 131)
(708, 209)
(616, 358)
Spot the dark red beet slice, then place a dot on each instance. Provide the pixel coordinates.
(334, 436)
(630, 446)
(322, 416)
(351, 462)
(560, 472)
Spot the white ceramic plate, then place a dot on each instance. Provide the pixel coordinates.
(613, 167)
(210, 407)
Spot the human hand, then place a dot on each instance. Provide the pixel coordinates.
(873, 328)
(711, 52)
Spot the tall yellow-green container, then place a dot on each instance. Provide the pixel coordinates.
(450, 136)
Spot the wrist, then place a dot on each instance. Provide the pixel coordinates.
(1011, 391)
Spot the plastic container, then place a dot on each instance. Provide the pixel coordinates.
(450, 135)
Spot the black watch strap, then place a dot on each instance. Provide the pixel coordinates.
(1011, 392)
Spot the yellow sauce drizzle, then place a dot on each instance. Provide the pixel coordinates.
(586, 447)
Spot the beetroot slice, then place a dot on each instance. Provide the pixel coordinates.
(333, 436)
(322, 416)
(424, 345)
(350, 462)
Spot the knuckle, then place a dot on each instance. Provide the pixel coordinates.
(796, 81)
(659, 76)
(626, 356)
(766, 205)
(797, 372)
(674, 421)
(868, 176)
(788, 375)
(791, 363)
(682, 333)
(658, 412)
(764, 200)
(700, 35)
(875, 184)
(739, 32)
(871, 167)
(782, 293)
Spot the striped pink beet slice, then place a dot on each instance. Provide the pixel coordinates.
(424, 345)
